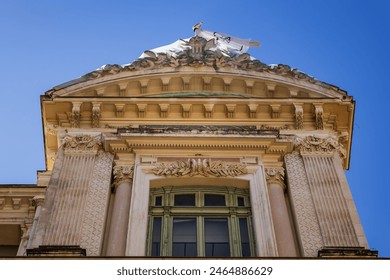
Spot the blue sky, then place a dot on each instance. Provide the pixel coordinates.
(346, 43)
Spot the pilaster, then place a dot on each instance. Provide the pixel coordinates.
(77, 196)
(332, 210)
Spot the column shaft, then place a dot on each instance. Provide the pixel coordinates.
(120, 220)
(282, 225)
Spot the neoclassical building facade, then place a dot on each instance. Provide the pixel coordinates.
(194, 149)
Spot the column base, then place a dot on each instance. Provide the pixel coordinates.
(347, 252)
(57, 251)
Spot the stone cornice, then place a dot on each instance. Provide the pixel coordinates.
(123, 173)
(81, 144)
(314, 145)
(201, 167)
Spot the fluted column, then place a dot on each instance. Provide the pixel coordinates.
(282, 225)
(123, 180)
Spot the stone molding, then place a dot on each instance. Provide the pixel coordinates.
(202, 167)
(314, 145)
(275, 175)
(123, 173)
(81, 144)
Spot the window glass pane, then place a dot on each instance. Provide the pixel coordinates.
(184, 238)
(156, 237)
(185, 200)
(245, 245)
(216, 237)
(240, 201)
(158, 201)
(214, 200)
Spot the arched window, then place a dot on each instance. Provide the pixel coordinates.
(200, 221)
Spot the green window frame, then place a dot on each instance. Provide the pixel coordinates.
(191, 229)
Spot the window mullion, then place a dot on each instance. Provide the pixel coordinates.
(200, 236)
(234, 232)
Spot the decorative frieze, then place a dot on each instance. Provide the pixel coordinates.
(314, 145)
(85, 144)
(123, 173)
(203, 167)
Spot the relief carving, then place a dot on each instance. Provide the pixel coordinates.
(96, 115)
(275, 174)
(319, 111)
(318, 145)
(123, 173)
(75, 116)
(81, 144)
(203, 167)
(75, 119)
(298, 117)
(96, 205)
(307, 224)
(201, 52)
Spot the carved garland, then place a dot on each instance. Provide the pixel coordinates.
(203, 167)
(318, 145)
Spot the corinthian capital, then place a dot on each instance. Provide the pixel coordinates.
(275, 174)
(123, 173)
